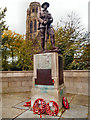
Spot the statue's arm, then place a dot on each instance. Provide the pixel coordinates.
(50, 18)
(39, 18)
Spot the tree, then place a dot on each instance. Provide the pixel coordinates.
(2, 28)
(26, 54)
(11, 45)
(68, 37)
(85, 56)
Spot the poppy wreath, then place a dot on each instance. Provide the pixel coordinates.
(39, 106)
(27, 104)
(65, 103)
(51, 112)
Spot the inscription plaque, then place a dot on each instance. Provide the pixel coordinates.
(43, 61)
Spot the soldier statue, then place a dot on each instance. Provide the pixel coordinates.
(45, 19)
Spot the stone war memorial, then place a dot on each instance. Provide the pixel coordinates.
(48, 81)
(49, 90)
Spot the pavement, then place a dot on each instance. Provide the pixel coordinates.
(12, 107)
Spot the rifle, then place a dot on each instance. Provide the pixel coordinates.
(46, 37)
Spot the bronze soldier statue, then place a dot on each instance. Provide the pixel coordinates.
(45, 19)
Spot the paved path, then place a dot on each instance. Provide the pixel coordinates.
(78, 107)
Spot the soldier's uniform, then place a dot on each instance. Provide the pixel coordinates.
(43, 16)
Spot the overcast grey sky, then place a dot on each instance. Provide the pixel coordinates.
(16, 11)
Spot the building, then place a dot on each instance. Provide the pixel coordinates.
(32, 21)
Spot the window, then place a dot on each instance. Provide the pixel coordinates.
(33, 10)
(35, 26)
(31, 26)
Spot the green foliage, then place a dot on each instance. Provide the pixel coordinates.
(69, 38)
(16, 53)
(28, 51)
(11, 45)
(85, 57)
(25, 56)
(2, 28)
(2, 22)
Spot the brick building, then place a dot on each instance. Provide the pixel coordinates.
(31, 20)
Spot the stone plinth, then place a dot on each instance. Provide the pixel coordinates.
(48, 77)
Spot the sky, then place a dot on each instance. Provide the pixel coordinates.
(16, 12)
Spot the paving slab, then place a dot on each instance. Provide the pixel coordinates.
(10, 100)
(81, 100)
(21, 105)
(78, 106)
(11, 112)
(76, 111)
(30, 114)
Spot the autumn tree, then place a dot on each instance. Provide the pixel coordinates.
(11, 45)
(68, 37)
(16, 53)
(25, 61)
(26, 54)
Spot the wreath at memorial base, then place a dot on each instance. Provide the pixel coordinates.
(39, 106)
(49, 110)
(27, 104)
(65, 103)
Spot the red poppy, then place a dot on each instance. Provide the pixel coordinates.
(53, 81)
(40, 116)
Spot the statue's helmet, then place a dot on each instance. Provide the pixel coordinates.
(45, 3)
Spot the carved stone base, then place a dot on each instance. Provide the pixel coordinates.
(48, 77)
(48, 93)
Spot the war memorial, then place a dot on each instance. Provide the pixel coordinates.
(48, 69)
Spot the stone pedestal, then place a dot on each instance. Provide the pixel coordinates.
(48, 77)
